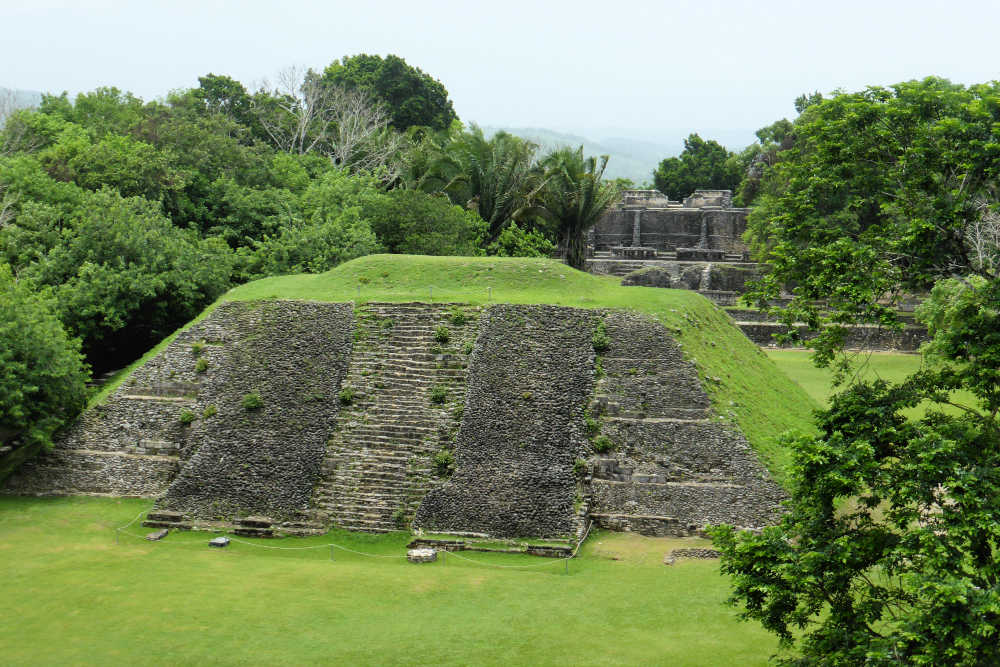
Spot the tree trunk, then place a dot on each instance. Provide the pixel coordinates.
(576, 250)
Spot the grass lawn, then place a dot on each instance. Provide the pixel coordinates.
(889, 366)
(745, 386)
(74, 596)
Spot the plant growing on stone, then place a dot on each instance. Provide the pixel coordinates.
(599, 368)
(458, 317)
(346, 395)
(444, 462)
(579, 467)
(591, 425)
(436, 349)
(601, 340)
(438, 394)
(187, 416)
(602, 444)
(201, 365)
(210, 411)
(198, 348)
(252, 401)
(441, 334)
(467, 347)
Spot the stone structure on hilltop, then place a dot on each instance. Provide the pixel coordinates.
(291, 417)
(646, 223)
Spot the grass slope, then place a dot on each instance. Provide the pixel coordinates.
(73, 596)
(745, 386)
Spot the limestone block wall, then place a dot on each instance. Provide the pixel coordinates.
(671, 228)
(530, 378)
(672, 467)
(265, 461)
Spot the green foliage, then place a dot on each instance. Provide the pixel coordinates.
(346, 395)
(444, 462)
(702, 164)
(601, 339)
(252, 401)
(412, 97)
(197, 348)
(580, 467)
(467, 347)
(602, 444)
(574, 198)
(201, 365)
(42, 373)
(442, 334)
(439, 394)
(317, 246)
(591, 425)
(412, 222)
(514, 241)
(187, 417)
(458, 317)
(887, 552)
(209, 411)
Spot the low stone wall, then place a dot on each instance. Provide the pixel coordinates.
(867, 337)
(530, 377)
(700, 276)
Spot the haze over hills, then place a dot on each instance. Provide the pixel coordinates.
(627, 158)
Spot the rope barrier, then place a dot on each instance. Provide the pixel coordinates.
(333, 545)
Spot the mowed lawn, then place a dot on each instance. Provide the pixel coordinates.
(888, 366)
(74, 596)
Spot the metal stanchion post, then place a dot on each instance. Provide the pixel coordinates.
(331, 552)
(358, 288)
(489, 291)
(567, 565)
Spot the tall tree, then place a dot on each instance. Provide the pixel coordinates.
(411, 97)
(574, 198)
(888, 554)
(702, 164)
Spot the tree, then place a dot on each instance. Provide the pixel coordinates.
(888, 553)
(574, 198)
(702, 164)
(410, 221)
(411, 97)
(42, 373)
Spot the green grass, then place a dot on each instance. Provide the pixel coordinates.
(888, 366)
(73, 596)
(745, 386)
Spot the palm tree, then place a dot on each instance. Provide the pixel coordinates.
(574, 198)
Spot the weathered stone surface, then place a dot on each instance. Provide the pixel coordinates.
(700, 255)
(421, 555)
(694, 553)
(861, 337)
(157, 535)
(531, 374)
(267, 460)
(672, 469)
(219, 542)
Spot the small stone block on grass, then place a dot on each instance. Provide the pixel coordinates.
(219, 542)
(157, 535)
(421, 555)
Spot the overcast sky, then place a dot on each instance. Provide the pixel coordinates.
(654, 70)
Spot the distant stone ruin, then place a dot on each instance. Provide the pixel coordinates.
(285, 417)
(705, 222)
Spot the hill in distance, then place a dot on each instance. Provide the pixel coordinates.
(628, 158)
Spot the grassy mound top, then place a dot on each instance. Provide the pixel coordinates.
(745, 386)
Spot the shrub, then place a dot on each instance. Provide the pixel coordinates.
(210, 411)
(187, 417)
(579, 467)
(527, 395)
(458, 317)
(252, 401)
(601, 340)
(591, 425)
(439, 394)
(444, 462)
(201, 365)
(467, 348)
(198, 348)
(602, 444)
(346, 395)
(441, 334)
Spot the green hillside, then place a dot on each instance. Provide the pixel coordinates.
(745, 386)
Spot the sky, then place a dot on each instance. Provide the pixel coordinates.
(645, 70)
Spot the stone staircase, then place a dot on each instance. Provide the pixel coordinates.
(380, 463)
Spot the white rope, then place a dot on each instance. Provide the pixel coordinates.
(508, 567)
(132, 521)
